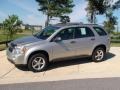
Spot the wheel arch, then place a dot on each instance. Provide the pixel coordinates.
(38, 51)
(101, 45)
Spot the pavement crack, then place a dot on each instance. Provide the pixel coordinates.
(78, 68)
(7, 73)
(44, 73)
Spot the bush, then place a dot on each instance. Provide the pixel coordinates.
(115, 41)
(115, 37)
(116, 33)
(20, 30)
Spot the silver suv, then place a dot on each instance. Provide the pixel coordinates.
(59, 42)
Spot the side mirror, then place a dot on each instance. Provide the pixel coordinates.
(58, 39)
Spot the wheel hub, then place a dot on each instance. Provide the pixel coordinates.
(38, 63)
(99, 55)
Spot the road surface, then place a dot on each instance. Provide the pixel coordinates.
(80, 84)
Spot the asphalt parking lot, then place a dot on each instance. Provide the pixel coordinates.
(64, 70)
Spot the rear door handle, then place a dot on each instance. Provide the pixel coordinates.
(72, 42)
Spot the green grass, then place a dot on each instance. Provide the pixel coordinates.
(4, 37)
(115, 44)
(2, 47)
(21, 35)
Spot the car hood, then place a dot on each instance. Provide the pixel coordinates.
(26, 40)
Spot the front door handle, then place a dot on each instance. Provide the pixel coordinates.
(92, 39)
(72, 42)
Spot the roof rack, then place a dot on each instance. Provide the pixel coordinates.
(91, 24)
(70, 23)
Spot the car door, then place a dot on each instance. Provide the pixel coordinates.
(65, 47)
(85, 40)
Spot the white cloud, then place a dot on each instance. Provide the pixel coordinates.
(79, 13)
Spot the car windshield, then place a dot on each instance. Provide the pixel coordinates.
(46, 32)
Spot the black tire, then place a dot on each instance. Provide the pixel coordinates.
(94, 55)
(32, 60)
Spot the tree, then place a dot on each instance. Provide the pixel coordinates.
(55, 8)
(110, 23)
(64, 19)
(116, 5)
(91, 11)
(103, 7)
(11, 25)
(97, 7)
(94, 8)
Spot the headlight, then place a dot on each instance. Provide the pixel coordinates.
(17, 50)
(20, 50)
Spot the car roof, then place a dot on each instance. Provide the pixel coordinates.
(74, 24)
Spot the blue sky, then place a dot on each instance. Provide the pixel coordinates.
(28, 12)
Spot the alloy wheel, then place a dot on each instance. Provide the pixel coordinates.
(38, 63)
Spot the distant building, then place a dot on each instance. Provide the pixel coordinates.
(34, 27)
(22, 26)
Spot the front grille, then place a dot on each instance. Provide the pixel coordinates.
(13, 45)
(10, 49)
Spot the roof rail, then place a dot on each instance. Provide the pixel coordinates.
(71, 23)
(91, 24)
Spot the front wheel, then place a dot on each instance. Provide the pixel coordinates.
(37, 63)
(98, 55)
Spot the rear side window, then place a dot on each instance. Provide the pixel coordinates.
(81, 32)
(100, 31)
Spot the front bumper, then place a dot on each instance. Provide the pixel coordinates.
(15, 58)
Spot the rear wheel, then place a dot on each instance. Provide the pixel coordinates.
(37, 63)
(98, 55)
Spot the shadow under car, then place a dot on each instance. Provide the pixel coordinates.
(69, 62)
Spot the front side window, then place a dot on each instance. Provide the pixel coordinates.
(47, 32)
(66, 34)
(81, 32)
(100, 31)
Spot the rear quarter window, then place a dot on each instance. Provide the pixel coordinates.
(100, 31)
